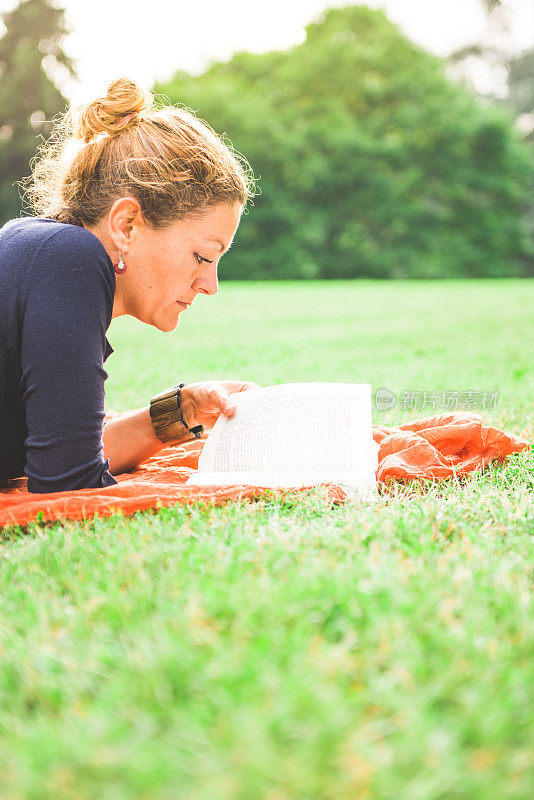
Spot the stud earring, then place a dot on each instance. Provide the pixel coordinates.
(119, 266)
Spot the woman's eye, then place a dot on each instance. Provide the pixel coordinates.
(200, 259)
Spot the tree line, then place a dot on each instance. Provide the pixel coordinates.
(371, 161)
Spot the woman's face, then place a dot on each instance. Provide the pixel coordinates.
(166, 269)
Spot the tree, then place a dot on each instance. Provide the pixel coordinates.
(521, 85)
(30, 50)
(372, 162)
(515, 73)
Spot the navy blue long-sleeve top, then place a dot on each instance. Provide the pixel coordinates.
(57, 284)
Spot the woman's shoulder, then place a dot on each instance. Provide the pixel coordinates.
(40, 254)
(28, 244)
(36, 231)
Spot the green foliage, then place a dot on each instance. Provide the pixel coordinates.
(521, 97)
(28, 98)
(521, 82)
(371, 162)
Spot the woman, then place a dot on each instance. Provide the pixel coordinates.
(136, 206)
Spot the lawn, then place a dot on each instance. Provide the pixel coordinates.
(271, 651)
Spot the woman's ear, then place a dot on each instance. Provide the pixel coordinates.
(123, 215)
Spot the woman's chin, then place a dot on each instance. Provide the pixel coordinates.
(167, 322)
(167, 327)
(164, 319)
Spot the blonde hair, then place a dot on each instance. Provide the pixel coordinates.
(173, 163)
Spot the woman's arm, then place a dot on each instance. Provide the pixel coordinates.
(129, 438)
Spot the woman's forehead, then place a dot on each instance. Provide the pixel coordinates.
(216, 225)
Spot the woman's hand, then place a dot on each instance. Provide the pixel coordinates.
(201, 403)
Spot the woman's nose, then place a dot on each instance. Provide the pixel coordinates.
(207, 283)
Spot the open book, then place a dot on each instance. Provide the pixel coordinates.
(294, 435)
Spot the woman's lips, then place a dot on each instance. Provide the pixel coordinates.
(183, 305)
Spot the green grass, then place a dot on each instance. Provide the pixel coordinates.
(291, 651)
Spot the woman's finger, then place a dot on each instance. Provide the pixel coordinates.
(239, 386)
(219, 398)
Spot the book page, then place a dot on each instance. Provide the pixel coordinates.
(293, 435)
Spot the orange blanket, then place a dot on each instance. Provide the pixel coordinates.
(434, 447)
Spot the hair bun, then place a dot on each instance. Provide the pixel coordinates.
(111, 114)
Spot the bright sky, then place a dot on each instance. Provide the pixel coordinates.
(150, 41)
